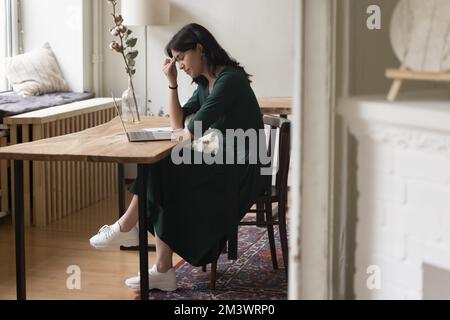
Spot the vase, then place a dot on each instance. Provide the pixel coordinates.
(129, 105)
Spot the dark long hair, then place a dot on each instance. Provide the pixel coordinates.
(191, 35)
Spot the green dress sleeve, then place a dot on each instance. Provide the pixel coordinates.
(192, 106)
(213, 108)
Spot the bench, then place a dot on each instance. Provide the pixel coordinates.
(51, 188)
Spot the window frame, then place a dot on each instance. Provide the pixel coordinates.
(12, 34)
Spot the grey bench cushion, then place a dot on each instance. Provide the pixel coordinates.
(13, 104)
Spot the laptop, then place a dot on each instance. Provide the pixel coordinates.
(143, 136)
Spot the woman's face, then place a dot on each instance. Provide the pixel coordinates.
(190, 61)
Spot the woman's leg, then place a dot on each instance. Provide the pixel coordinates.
(163, 252)
(163, 256)
(130, 218)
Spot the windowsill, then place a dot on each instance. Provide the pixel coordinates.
(4, 93)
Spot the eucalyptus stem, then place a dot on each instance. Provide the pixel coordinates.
(122, 52)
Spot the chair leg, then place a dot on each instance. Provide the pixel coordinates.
(283, 232)
(213, 276)
(269, 219)
(260, 214)
(212, 284)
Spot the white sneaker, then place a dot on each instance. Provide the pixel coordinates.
(156, 280)
(111, 238)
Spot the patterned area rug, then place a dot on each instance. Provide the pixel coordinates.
(251, 277)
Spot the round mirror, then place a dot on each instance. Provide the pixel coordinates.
(420, 34)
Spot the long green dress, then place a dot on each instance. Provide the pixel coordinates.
(199, 206)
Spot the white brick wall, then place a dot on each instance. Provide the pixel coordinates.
(403, 217)
(421, 165)
(403, 208)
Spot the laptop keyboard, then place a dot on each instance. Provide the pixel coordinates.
(150, 135)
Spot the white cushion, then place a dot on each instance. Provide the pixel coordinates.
(35, 73)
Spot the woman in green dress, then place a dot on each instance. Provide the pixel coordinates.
(199, 205)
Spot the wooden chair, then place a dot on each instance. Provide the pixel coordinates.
(266, 216)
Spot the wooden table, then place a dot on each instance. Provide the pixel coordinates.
(104, 143)
(276, 105)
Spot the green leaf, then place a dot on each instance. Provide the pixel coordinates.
(133, 72)
(129, 32)
(131, 62)
(132, 54)
(131, 42)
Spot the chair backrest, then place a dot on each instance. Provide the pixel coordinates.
(283, 127)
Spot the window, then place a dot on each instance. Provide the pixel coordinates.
(8, 36)
(3, 84)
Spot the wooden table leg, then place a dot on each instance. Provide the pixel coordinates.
(20, 230)
(143, 226)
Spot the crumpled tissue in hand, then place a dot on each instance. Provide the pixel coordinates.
(207, 144)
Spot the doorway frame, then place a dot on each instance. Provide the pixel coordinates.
(314, 100)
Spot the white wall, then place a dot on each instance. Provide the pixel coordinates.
(60, 23)
(258, 33)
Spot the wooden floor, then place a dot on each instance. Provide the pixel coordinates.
(50, 251)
